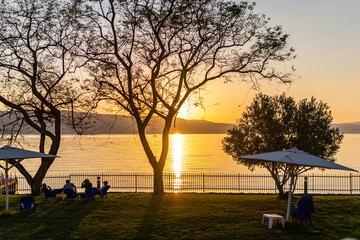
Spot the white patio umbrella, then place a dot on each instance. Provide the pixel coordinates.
(294, 157)
(7, 153)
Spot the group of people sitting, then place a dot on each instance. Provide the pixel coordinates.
(70, 186)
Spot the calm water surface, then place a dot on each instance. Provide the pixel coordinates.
(201, 153)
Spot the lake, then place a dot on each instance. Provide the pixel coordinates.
(123, 153)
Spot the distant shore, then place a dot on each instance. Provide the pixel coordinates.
(118, 124)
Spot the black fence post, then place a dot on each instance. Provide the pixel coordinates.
(350, 178)
(136, 182)
(98, 182)
(203, 182)
(305, 186)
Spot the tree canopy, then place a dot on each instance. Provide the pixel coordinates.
(147, 57)
(273, 123)
(36, 74)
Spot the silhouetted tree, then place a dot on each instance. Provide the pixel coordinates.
(35, 67)
(148, 56)
(273, 123)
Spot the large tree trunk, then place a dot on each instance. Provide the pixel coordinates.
(158, 180)
(279, 184)
(40, 175)
(158, 166)
(36, 186)
(36, 181)
(282, 194)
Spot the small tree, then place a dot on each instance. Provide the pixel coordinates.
(148, 56)
(35, 75)
(273, 123)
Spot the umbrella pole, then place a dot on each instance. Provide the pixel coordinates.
(289, 198)
(6, 186)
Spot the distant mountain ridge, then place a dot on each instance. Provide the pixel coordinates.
(111, 124)
(353, 127)
(118, 124)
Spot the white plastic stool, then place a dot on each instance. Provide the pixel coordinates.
(271, 217)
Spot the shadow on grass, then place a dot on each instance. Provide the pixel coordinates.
(48, 217)
(147, 226)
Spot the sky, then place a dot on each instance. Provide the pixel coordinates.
(326, 38)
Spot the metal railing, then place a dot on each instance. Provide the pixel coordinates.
(205, 183)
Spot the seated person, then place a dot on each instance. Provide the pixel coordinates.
(106, 186)
(48, 191)
(69, 185)
(87, 185)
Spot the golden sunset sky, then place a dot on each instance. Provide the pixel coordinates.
(326, 38)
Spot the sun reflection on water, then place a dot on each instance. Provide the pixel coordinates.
(177, 151)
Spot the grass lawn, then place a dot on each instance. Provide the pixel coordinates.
(177, 216)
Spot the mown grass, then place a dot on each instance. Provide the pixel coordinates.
(177, 216)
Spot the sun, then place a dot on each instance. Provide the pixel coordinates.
(188, 111)
(184, 112)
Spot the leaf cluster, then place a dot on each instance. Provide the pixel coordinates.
(273, 123)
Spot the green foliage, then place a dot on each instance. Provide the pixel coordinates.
(177, 216)
(273, 123)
